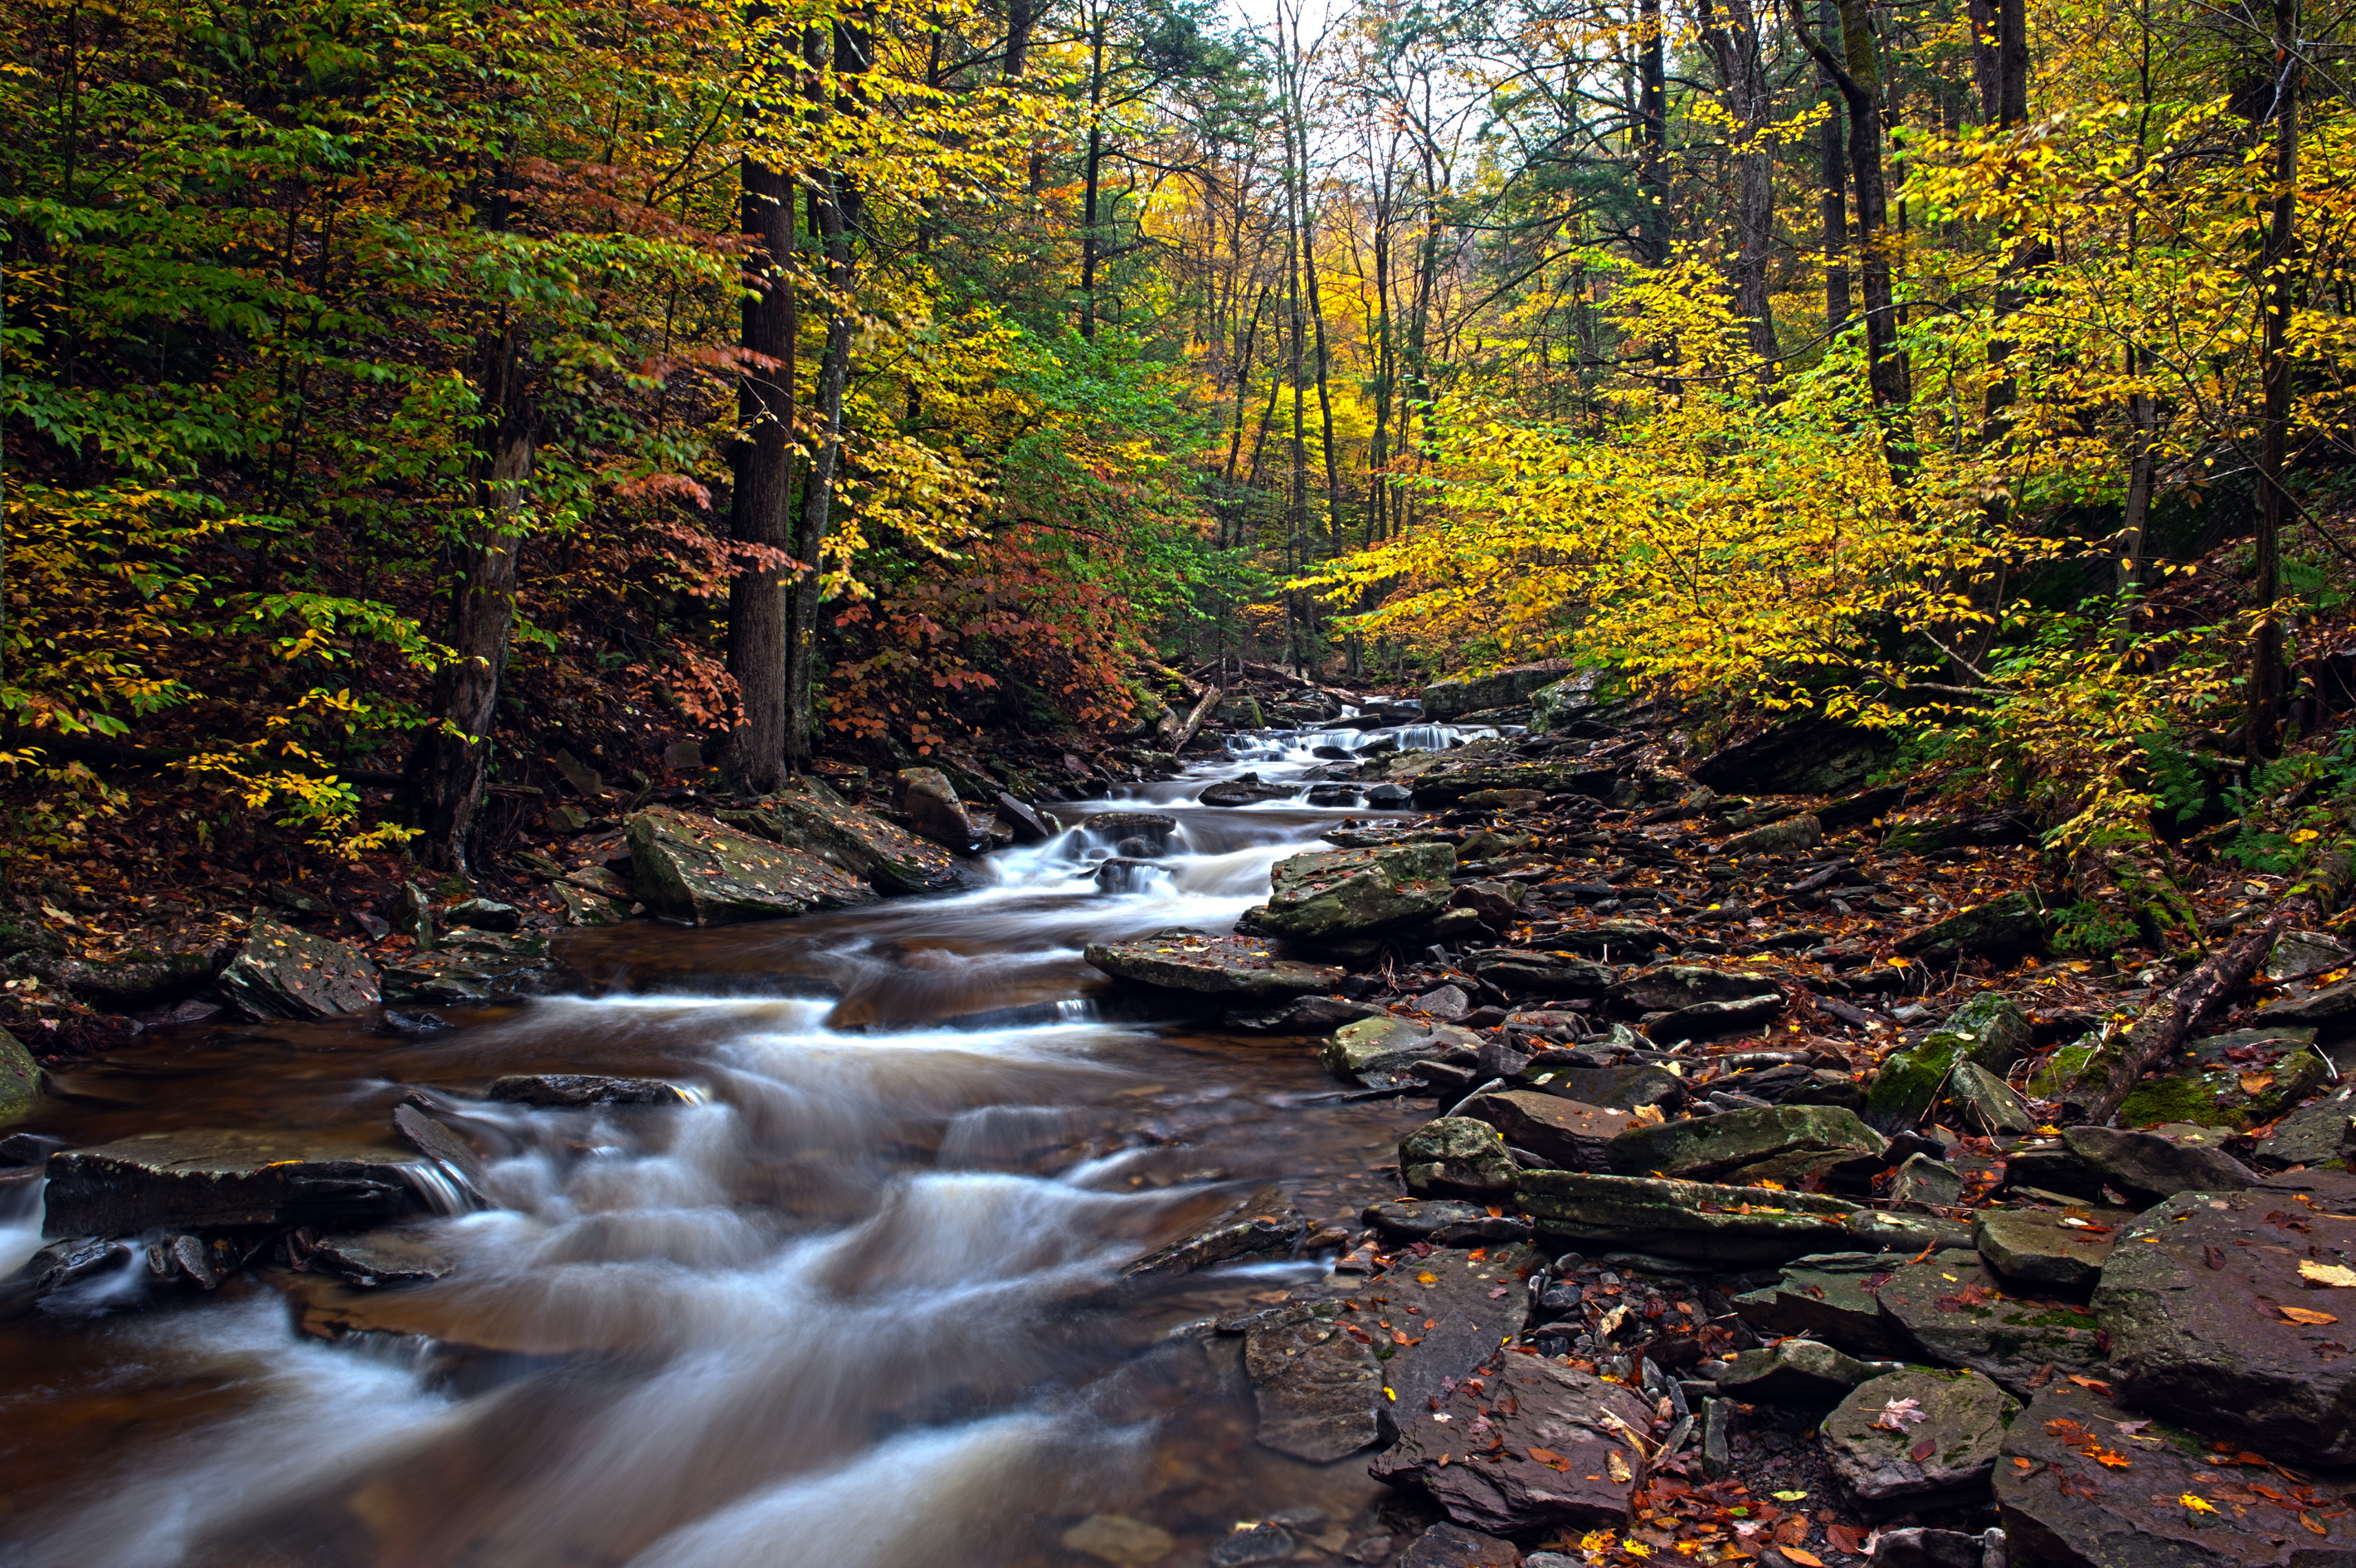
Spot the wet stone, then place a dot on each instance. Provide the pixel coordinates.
(282, 972)
(2033, 1246)
(1117, 1538)
(1317, 1387)
(1957, 1313)
(1829, 1298)
(1143, 834)
(397, 1256)
(1737, 1227)
(1452, 1546)
(930, 803)
(693, 868)
(205, 1178)
(560, 1089)
(2224, 1311)
(1564, 1134)
(1795, 1372)
(1277, 1235)
(1918, 1439)
(1703, 1147)
(2164, 1507)
(1184, 959)
(1442, 1221)
(1534, 1445)
(886, 856)
(1248, 1548)
(1455, 1155)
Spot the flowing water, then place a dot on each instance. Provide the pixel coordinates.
(859, 1303)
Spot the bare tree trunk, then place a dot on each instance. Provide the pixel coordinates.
(1652, 117)
(1092, 172)
(447, 770)
(1742, 75)
(1834, 199)
(1857, 70)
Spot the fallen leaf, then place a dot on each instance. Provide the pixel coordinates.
(2301, 1315)
(2256, 1082)
(2096, 1384)
(2327, 1274)
(2313, 1525)
(1618, 1466)
(1790, 1496)
(2197, 1503)
(1802, 1555)
(1899, 1414)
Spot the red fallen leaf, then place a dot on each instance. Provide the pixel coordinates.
(1844, 1538)
(1923, 1450)
(2064, 1428)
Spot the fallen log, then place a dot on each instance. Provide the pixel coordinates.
(2173, 1017)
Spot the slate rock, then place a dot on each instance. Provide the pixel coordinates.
(1533, 1445)
(1245, 790)
(1457, 1306)
(2012, 924)
(1708, 1020)
(205, 1178)
(886, 856)
(2154, 1164)
(1461, 694)
(1326, 894)
(1278, 1234)
(2305, 953)
(930, 802)
(1924, 1180)
(1250, 1548)
(470, 976)
(1019, 819)
(1794, 1372)
(1368, 1049)
(1519, 972)
(1452, 1546)
(1733, 1226)
(2331, 1005)
(1990, 1030)
(1675, 986)
(1144, 834)
(1889, 1462)
(1704, 1148)
(1629, 939)
(1566, 1134)
(2313, 1135)
(398, 1255)
(1184, 959)
(2032, 1247)
(2194, 1299)
(1986, 1103)
(1830, 1298)
(1447, 785)
(2062, 1505)
(1955, 1312)
(1456, 1154)
(563, 1088)
(1445, 1221)
(695, 869)
(1809, 756)
(1317, 1388)
(1611, 1087)
(281, 973)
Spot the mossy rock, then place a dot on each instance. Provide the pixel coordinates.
(2222, 1096)
(1990, 1030)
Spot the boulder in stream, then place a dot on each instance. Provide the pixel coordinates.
(930, 803)
(695, 869)
(565, 1089)
(816, 820)
(1184, 959)
(282, 972)
(1326, 894)
(1376, 1052)
(209, 1179)
(20, 1078)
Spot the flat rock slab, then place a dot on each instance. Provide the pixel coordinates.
(1444, 1221)
(1317, 1385)
(202, 1178)
(1567, 1134)
(2038, 1247)
(1918, 1439)
(1733, 1226)
(1956, 1312)
(282, 972)
(1706, 1146)
(2221, 1312)
(1441, 1316)
(1830, 1298)
(1794, 1372)
(1525, 973)
(1182, 959)
(565, 1089)
(398, 1255)
(1675, 986)
(2064, 1502)
(693, 868)
(2155, 1164)
(1612, 1088)
(1534, 1445)
(1365, 1051)
(1326, 894)
(888, 857)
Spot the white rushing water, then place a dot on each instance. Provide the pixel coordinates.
(823, 1314)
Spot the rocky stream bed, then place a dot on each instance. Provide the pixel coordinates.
(1381, 1143)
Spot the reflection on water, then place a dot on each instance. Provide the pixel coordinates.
(858, 1303)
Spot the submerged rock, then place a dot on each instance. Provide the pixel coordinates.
(1317, 1388)
(281, 973)
(209, 1178)
(1532, 1445)
(694, 869)
(1143, 835)
(1184, 959)
(401, 1255)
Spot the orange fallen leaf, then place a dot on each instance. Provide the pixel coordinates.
(2313, 1526)
(2301, 1315)
(1550, 1458)
(1803, 1556)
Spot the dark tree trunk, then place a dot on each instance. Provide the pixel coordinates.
(2278, 284)
(1857, 70)
(1734, 46)
(1833, 198)
(760, 509)
(447, 770)
(1652, 129)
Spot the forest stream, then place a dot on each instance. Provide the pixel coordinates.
(859, 1301)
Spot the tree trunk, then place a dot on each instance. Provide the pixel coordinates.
(1857, 70)
(447, 770)
(1092, 173)
(1653, 128)
(760, 505)
(1834, 199)
(2278, 281)
(1742, 75)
